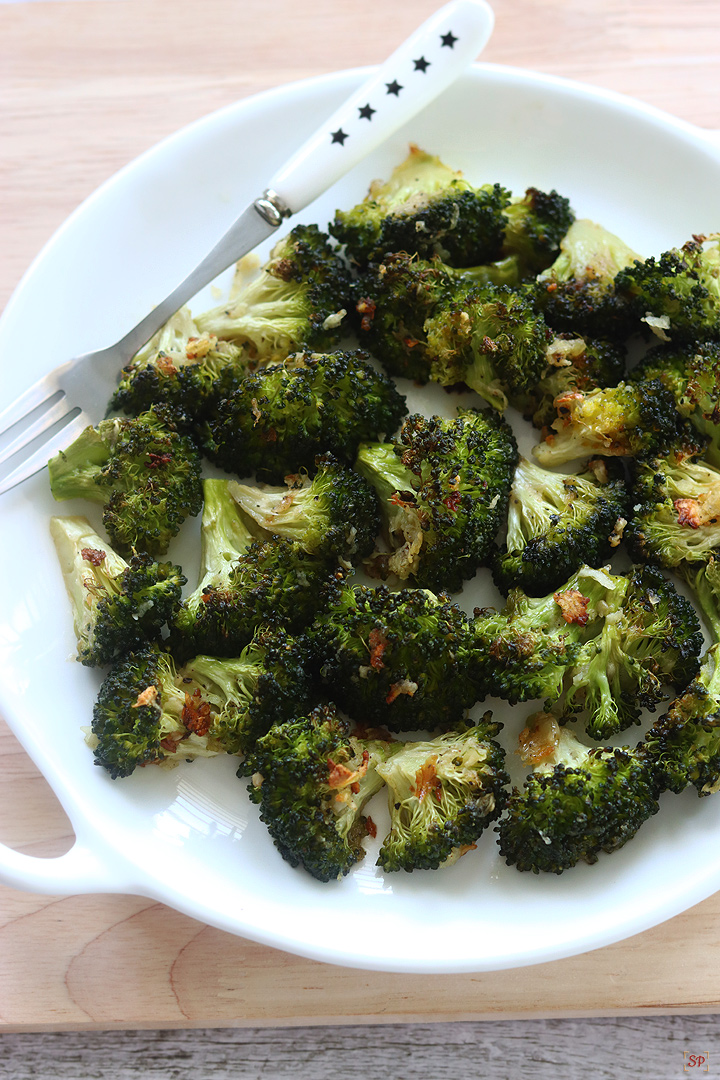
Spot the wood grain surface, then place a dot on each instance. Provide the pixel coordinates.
(85, 87)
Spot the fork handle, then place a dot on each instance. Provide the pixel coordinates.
(416, 73)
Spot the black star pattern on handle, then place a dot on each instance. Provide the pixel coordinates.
(394, 87)
(448, 40)
(339, 136)
(366, 113)
(422, 64)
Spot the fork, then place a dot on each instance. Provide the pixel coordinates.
(53, 412)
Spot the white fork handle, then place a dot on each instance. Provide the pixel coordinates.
(429, 60)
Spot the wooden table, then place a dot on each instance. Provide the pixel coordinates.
(85, 87)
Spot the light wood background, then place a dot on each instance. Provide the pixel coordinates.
(85, 86)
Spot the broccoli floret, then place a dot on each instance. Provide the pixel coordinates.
(442, 795)
(312, 778)
(577, 293)
(393, 302)
(577, 802)
(443, 489)
(145, 714)
(117, 606)
(536, 225)
(183, 368)
(676, 522)
(525, 650)
(627, 420)
(490, 339)
(398, 659)
(333, 514)
(299, 300)
(142, 469)
(653, 640)
(691, 374)
(237, 700)
(279, 419)
(425, 208)
(574, 365)
(556, 523)
(683, 746)
(246, 583)
(678, 294)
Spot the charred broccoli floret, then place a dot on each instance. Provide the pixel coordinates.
(142, 469)
(183, 368)
(577, 293)
(574, 365)
(556, 523)
(535, 227)
(577, 802)
(117, 606)
(312, 778)
(246, 583)
(653, 640)
(490, 339)
(676, 521)
(426, 208)
(525, 650)
(627, 420)
(678, 294)
(334, 514)
(397, 659)
(442, 794)
(145, 714)
(236, 700)
(279, 419)
(683, 746)
(691, 373)
(443, 488)
(299, 300)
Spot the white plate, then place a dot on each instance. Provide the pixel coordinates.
(190, 837)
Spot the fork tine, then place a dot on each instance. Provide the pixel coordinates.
(43, 422)
(36, 395)
(39, 458)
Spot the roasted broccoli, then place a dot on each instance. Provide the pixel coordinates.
(443, 792)
(398, 659)
(490, 339)
(691, 374)
(574, 365)
(279, 419)
(627, 420)
(535, 227)
(443, 489)
(526, 650)
(333, 514)
(117, 606)
(577, 293)
(144, 714)
(183, 368)
(653, 640)
(426, 208)
(236, 700)
(678, 294)
(246, 583)
(577, 802)
(299, 300)
(556, 523)
(142, 469)
(683, 746)
(312, 779)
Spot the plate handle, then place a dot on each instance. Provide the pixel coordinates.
(414, 75)
(77, 871)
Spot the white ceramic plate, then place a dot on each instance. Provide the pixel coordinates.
(190, 837)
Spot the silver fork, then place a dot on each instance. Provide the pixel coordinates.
(52, 412)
